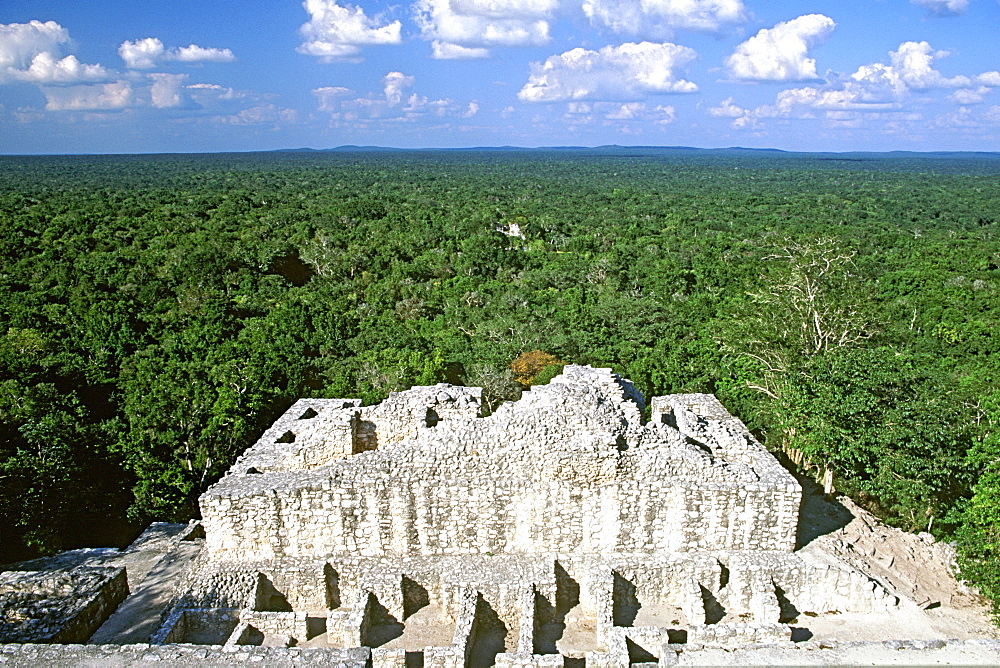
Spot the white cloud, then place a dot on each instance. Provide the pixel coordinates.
(991, 79)
(31, 52)
(448, 51)
(21, 42)
(261, 115)
(394, 84)
(167, 90)
(198, 54)
(668, 114)
(45, 69)
(142, 53)
(781, 53)
(658, 18)
(108, 96)
(627, 111)
(466, 29)
(623, 116)
(626, 72)
(503, 9)
(914, 62)
(872, 91)
(392, 105)
(206, 95)
(145, 53)
(328, 96)
(471, 110)
(965, 96)
(944, 7)
(337, 33)
(727, 109)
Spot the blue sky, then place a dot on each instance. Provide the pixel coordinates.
(240, 75)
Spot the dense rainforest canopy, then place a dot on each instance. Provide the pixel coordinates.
(158, 312)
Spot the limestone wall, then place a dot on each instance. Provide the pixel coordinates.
(459, 516)
(568, 468)
(916, 652)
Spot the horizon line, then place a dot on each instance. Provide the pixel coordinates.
(346, 148)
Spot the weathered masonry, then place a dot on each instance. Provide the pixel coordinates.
(567, 469)
(561, 528)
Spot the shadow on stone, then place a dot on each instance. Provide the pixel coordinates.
(315, 626)
(818, 515)
(382, 627)
(637, 654)
(489, 635)
(625, 603)
(714, 612)
(415, 597)
(549, 626)
(332, 579)
(268, 598)
(789, 613)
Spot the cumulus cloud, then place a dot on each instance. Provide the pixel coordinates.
(32, 52)
(875, 88)
(336, 32)
(626, 117)
(109, 96)
(466, 29)
(781, 53)
(395, 104)
(448, 51)
(145, 53)
(966, 96)
(167, 90)
(205, 95)
(991, 79)
(626, 111)
(45, 69)
(667, 114)
(329, 95)
(394, 84)
(626, 72)
(944, 7)
(915, 63)
(261, 115)
(658, 18)
(729, 109)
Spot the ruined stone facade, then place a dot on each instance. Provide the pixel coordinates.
(563, 527)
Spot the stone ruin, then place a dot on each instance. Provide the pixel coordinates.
(561, 529)
(58, 606)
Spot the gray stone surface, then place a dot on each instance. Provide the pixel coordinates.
(58, 606)
(929, 653)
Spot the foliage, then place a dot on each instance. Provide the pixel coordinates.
(527, 367)
(158, 312)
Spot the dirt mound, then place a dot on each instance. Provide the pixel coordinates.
(914, 567)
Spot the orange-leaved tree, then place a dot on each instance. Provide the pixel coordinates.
(528, 367)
